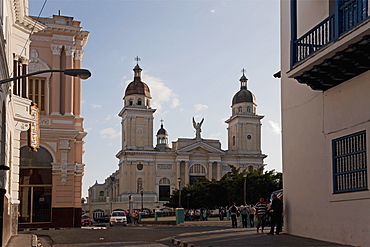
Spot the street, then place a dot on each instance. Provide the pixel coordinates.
(197, 233)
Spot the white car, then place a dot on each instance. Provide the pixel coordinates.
(118, 217)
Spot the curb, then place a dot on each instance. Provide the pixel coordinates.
(180, 243)
(34, 241)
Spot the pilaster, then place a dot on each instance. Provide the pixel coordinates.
(55, 85)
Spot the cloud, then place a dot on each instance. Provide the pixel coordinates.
(109, 133)
(112, 116)
(95, 106)
(212, 11)
(274, 127)
(200, 107)
(161, 94)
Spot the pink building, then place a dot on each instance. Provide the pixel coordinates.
(50, 179)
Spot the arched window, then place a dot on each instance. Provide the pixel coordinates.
(139, 184)
(196, 171)
(101, 193)
(240, 109)
(139, 102)
(130, 102)
(164, 189)
(35, 186)
(197, 168)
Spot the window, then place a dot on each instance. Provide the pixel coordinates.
(101, 193)
(248, 109)
(139, 184)
(36, 92)
(349, 163)
(233, 140)
(139, 102)
(35, 186)
(164, 189)
(130, 102)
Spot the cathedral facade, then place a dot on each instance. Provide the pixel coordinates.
(147, 174)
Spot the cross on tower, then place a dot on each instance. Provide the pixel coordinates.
(243, 71)
(137, 59)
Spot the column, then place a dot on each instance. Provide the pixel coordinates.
(210, 175)
(55, 82)
(68, 82)
(77, 84)
(218, 171)
(178, 171)
(186, 172)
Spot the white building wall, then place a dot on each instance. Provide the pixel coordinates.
(310, 121)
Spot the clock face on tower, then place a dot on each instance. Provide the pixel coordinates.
(249, 137)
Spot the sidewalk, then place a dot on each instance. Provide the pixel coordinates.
(23, 240)
(240, 237)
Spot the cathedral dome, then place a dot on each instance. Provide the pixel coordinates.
(137, 86)
(162, 131)
(244, 95)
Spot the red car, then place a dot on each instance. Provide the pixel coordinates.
(85, 220)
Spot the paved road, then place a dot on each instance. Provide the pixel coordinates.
(199, 234)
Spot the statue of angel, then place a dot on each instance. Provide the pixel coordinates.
(197, 127)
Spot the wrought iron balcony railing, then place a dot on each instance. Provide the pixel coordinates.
(348, 15)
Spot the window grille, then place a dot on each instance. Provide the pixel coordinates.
(350, 163)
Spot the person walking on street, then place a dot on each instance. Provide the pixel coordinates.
(261, 208)
(277, 211)
(251, 212)
(233, 212)
(244, 213)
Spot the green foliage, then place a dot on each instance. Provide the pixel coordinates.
(214, 194)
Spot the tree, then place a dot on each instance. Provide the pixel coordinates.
(215, 194)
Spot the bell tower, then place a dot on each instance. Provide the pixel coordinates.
(244, 125)
(137, 114)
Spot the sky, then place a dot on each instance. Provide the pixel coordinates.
(192, 53)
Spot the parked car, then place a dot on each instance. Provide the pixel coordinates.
(85, 220)
(102, 219)
(118, 218)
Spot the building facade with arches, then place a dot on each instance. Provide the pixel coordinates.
(50, 180)
(150, 173)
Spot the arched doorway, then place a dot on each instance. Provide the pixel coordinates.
(35, 186)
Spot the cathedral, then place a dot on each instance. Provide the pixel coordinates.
(148, 174)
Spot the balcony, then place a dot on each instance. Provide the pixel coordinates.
(335, 50)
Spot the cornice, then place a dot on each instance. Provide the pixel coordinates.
(244, 117)
(22, 20)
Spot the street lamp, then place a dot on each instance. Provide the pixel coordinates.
(3, 169)
(245, 188)
(80, 73)
(179, 180)
(142, 202)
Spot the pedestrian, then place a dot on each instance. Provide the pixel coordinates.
(244, 213)
(222, 213)
(251, 213)
(277, 211)
(261, 208)
(134, 216)
(234, 213)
